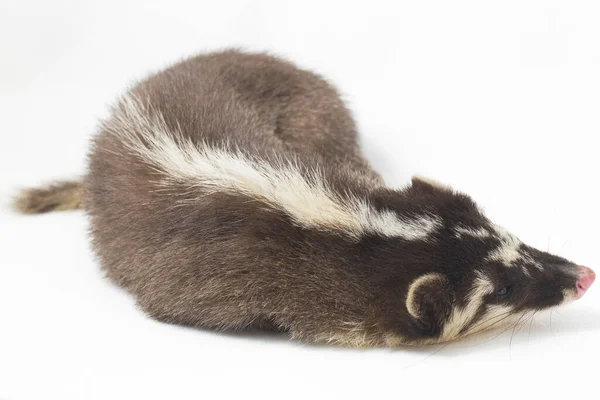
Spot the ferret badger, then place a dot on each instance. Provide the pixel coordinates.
(229, 192)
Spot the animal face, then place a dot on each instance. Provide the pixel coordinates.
(472, 274)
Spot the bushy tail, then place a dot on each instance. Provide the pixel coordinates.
(60, 196)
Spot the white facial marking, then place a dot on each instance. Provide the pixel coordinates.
(481, 233)
(569, 295)
(529, 260)
(494, 315)
(305, 197)
(508, 251)
(461, 316)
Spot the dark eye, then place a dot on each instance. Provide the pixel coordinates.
(503, 291)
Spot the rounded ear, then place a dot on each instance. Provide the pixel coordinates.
(422, 182)
(429, 299)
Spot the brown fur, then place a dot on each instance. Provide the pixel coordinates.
(61, 196)
(228, 260)
(222, 261)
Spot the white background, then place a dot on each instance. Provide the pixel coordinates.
(499, 98)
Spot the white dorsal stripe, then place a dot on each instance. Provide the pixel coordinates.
(306, 198)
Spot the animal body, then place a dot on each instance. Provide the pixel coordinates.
(229, 192)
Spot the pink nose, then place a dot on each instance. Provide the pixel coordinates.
(586, 278)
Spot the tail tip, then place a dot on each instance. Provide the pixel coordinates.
(58, 197)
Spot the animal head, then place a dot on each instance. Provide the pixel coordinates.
(470, 274)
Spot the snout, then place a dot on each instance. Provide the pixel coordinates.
(584, 281)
